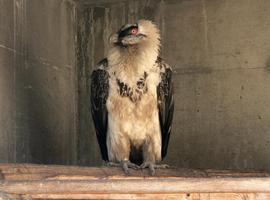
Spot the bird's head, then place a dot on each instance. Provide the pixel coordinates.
(142, 32)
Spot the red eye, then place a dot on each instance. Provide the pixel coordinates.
(134, 31)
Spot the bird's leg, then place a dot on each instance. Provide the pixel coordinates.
(125, 165)
(152, 167)
(119, 151)
(152, 154)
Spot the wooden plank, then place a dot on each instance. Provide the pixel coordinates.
(111, 196)
(163, 185)
(188, 196)
(234, 196)
(17, 169)
(5, 196)
(73, 182)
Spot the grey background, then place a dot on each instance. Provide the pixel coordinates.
(220, 51)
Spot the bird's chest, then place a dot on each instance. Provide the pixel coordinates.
(134, 91)
(132, 102)
(131, 117)
(133, 111)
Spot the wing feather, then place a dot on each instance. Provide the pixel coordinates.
(165, 104)
(99, 95)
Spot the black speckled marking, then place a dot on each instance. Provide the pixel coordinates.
(126, 91)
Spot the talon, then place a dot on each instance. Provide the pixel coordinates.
(125, 168)
(153, 166)
(113, 164)
(125, 165)
(144, 165)
(163, 166)
(152, 170)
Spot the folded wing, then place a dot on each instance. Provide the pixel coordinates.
(99, 95)
(165, 104)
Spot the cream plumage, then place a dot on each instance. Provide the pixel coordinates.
(132, 99)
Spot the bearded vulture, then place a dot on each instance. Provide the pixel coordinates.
(132, 99)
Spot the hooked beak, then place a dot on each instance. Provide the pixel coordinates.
(127, 40)
(131, 39)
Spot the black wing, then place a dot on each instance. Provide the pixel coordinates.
(165, 104)
(99, 95)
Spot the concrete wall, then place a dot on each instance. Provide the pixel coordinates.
(37, 82)
(220, 51)
(6, 78)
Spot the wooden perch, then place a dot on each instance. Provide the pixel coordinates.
(27, 181)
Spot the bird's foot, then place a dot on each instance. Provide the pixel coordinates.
(152, 167)
(125, 165)
(113, 164)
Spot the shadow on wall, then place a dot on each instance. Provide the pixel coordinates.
(267, 65)
(44, 145)
(44, 111)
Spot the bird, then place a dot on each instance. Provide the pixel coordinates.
(132, 99)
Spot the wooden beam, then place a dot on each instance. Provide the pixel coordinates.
(188, 196)
(146, 185)
(72, 182)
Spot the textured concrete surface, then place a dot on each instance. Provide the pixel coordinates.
(37, 76)
(6, 79)
(220, 51)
